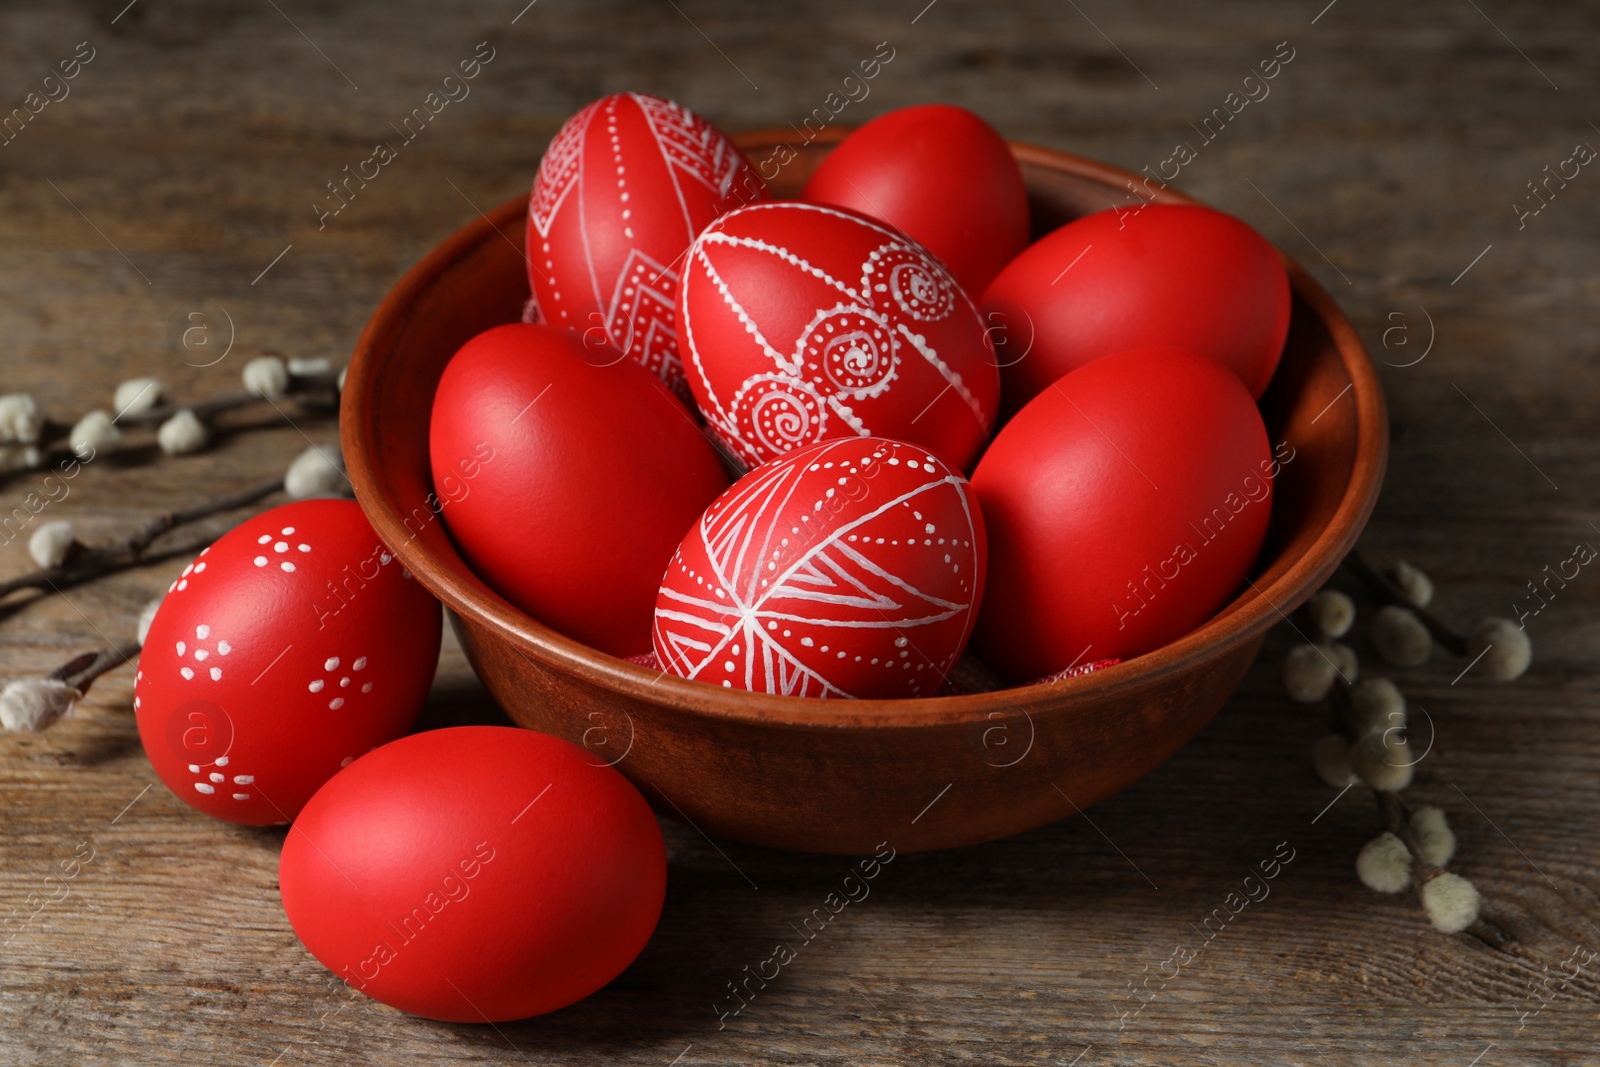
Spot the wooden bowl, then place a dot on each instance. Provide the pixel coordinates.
(842, 776)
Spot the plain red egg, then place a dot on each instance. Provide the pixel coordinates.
(288, 648)
(1176, 275)
(852, 568)
(802, 322)
(626, 184)
(1125, 505)
(941, 175)
(475, 874)
(565, 483)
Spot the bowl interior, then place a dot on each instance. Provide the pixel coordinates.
(1324, 403)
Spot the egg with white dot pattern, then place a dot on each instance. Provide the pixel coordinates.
(293, 644)
(853, 568)
(623, 188)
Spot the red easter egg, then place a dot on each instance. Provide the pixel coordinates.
(626, 184)
(475, 874)
(565, 483)
(288, 648)
(1125, 505)
(852, 568)
(941, 175)
(802, 322)
(1175, 275)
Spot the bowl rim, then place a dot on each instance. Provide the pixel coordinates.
(1236, 623)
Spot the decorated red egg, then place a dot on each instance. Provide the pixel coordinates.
(1125, 505)
(802, 322)
(1158, 275)
(941, 175)
(626, 184)
(577, 475)
(852, 568)
(291, 646)
(475, 874)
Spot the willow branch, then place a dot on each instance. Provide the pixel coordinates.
(108, 559)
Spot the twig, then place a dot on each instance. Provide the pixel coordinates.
(1398, 815)
(1386, 589)
(307, 389)
(108, 559)
(80, 671)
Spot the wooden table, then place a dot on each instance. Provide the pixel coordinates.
(179, 178)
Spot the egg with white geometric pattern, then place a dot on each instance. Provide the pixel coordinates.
(798, 323)
(289, 647)
(853, 568)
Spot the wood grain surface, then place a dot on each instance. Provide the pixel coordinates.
(178, 177)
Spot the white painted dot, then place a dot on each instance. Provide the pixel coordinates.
(194, 768)
(186, 672)
(287, 530)
(203, 787)
(263, 539)
(316, 686)
(223, 648)
(347, 761)
(281, 546)
(182, 647)
(215, 777)
(336, 703)
(216, 674)
(200, 654)
(807, 642)
(287, 566)
(359, 664)
(344, 681)
(222, 761)
(244, 779)
(332, 664)
(367, 688)
(261, 561)
(198, 567)
(183, 583)
(305, 548)
(241, 796)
